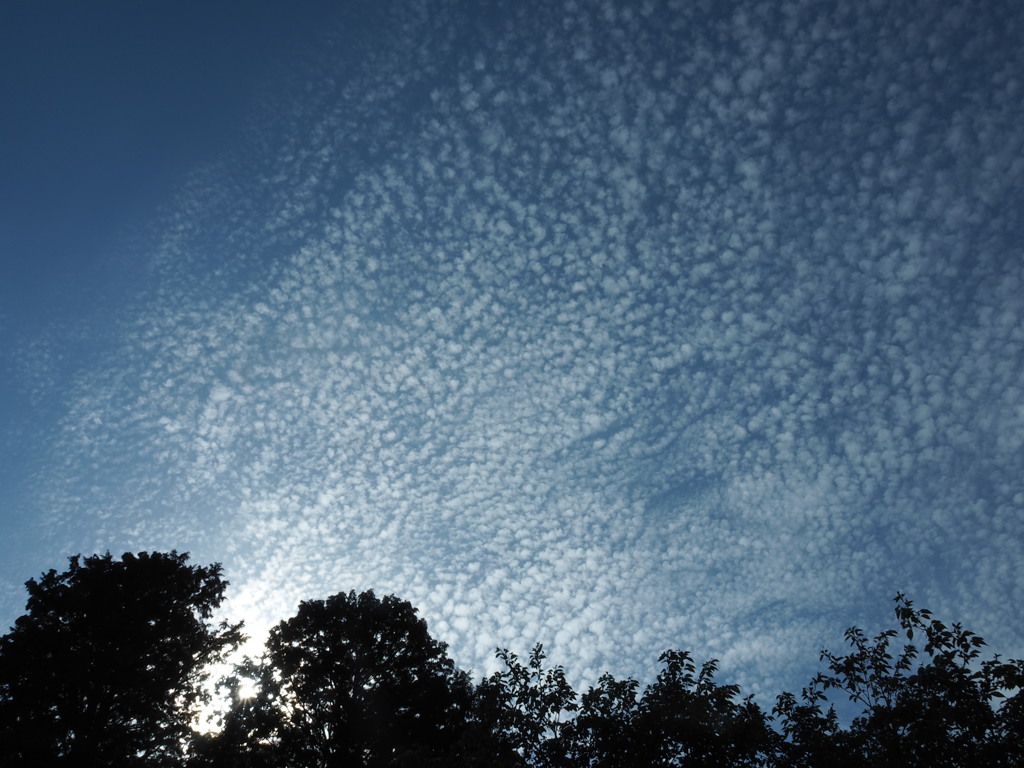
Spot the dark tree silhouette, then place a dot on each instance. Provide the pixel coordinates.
(352, 680)
(107, 665)
(941, 711)
(683, 718)
(525, 706)
(687, 719)
(604, 731)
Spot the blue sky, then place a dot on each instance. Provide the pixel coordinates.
(613, 326)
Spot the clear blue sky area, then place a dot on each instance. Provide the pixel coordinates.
(107, 105)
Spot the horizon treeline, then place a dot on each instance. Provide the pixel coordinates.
(109, 666)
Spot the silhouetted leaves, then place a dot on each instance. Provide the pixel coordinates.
(527, 706)
(683, 719)
(351, 680)
(106, 669)
(943, 710)
(106, 666)
(686, 719)
(604, 732)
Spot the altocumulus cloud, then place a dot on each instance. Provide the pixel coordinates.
(615, 326)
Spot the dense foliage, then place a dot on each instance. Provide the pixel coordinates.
(107, 665)
(949, 708)
(350, 680)
(106, 668)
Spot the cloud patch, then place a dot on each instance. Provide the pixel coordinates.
(613, 328)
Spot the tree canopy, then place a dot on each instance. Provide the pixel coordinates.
(106, 668)
(352, 680)
(943, 707)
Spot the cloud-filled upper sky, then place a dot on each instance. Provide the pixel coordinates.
(616, 326)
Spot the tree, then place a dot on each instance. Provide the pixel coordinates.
(943, 710)
(352, 680)
(685, 718)
(604, 731)
(107, 665)
(525, 705)
(682, 719)
(810, 734)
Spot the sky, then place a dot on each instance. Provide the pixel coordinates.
(614, 326)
